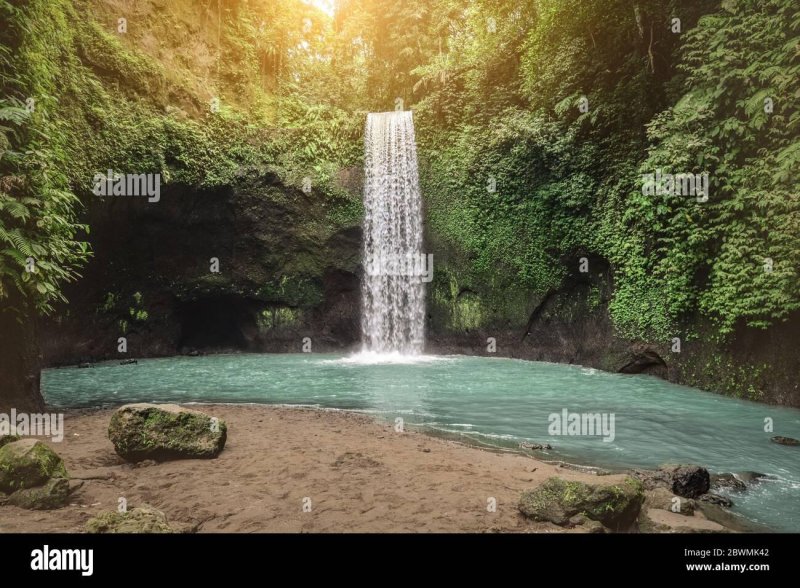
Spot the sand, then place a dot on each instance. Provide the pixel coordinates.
(359, 474)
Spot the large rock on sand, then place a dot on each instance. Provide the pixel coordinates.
(165, 431)
(557, 501)
(51, 495)
(28, 463)
(143, 519)
(33, 475)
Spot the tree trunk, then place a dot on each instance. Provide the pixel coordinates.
(20, 360)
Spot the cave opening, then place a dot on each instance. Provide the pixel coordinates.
(219, 322)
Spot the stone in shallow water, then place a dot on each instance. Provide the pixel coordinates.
(752, 477)
(785, 441)
(730, 481)
(165, 431)
(558, 501)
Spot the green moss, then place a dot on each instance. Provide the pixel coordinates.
(557, 501)
(152, 432)
(28, 463)
(293, 290)
(278, 318)
(138, 520)
(467, 313)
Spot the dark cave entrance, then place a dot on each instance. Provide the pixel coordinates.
(220, 322)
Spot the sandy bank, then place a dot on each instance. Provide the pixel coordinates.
(359, 474)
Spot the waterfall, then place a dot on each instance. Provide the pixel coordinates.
(395, 269)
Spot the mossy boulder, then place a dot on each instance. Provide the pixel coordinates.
(28, 463)
(165, 431)
(53, 494)
(558, 501)
(142, 519)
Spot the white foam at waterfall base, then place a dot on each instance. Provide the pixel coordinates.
(392, 292)
(395, 357)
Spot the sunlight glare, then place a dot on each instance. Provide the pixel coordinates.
(326, 6)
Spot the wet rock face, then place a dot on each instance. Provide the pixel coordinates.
(164, 432)
(643, 359)
(712, 498)
(728, 481)
(558, 501)
(284, 270)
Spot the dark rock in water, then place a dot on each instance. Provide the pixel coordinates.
(526, 445)
(716, 499)
(750, 477)
(165, 431)
(785, 441)
(729, 481)
(688, 481)
(728, 519)
(129, 362)
(84, 365)
(559, 502)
